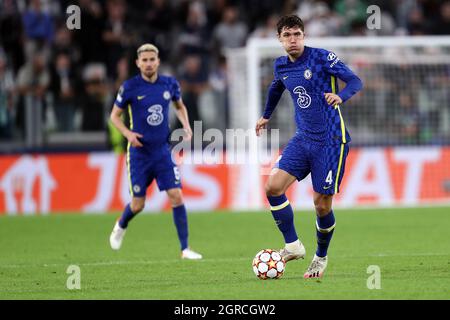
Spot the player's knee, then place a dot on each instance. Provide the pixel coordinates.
(175, 198)
(137, 206)
(322, 208)
(273, 190)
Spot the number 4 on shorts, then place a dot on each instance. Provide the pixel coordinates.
(329, 178)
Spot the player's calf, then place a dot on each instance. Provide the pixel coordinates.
(130, 211)
(137, 204)
(324, 231)
(284, 218)
(181, 223)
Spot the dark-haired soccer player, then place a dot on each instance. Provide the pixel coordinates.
(147, 97)
(320, 145)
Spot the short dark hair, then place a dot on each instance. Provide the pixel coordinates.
(290, 21)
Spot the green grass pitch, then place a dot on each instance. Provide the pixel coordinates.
(410, 246)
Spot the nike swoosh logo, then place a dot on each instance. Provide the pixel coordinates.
(140, 97)
(284, 78)
(326, 188)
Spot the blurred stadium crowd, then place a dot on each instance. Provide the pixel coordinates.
(75, 74)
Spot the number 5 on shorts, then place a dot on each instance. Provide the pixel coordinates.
(176, 173)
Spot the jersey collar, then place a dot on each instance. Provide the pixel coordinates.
(148, 82)
(300, 59)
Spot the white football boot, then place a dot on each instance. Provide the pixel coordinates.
(316, 268)
(190, 255)
(293, 251)
(116, 237)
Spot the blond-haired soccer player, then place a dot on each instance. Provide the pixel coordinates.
(147, 97)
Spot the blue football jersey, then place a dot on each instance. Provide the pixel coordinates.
(148, 106)
(307, 79)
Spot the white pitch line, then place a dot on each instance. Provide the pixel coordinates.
(149, 262)
(111, 263)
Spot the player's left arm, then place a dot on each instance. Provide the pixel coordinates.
(180, 108)
(335, 67)
(182, 115)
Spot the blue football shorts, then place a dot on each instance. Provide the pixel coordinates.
(326, 163)
(143, 169)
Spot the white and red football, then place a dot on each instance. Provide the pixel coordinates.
(268, 264)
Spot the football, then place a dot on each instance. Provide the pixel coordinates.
(268, 264)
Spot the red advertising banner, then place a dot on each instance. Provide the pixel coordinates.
(98, 182)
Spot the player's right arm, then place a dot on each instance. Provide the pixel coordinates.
(116, 118)
(276, 89)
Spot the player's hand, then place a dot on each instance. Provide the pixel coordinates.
(333, 99)
(260, 125)
(133, 139)
(187, 134)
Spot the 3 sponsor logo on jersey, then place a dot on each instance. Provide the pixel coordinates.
(304, 99)
(156, 116)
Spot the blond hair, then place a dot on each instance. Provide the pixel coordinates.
(146, 48)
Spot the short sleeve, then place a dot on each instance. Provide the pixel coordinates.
(122, 98)
(175, 90)
(334, 66)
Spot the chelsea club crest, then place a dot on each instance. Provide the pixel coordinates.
(166, 95)
(307, 74)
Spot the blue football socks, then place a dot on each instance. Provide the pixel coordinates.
(180, 219)
(325, 228)
(284, 217)
(127, 215)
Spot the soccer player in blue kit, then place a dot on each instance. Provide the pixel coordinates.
(147, 97)
(320, 144)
